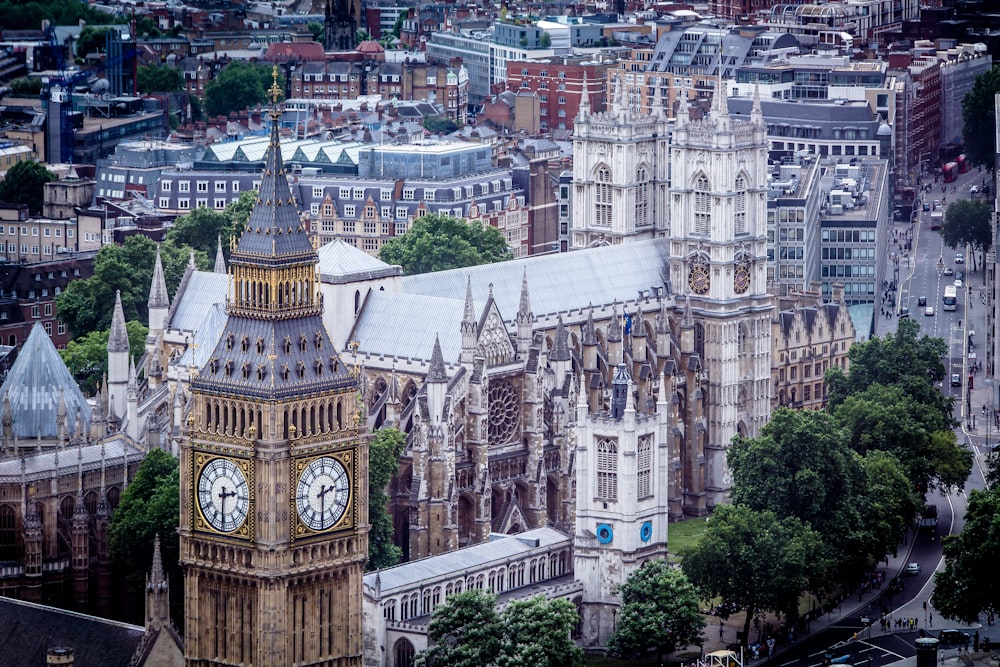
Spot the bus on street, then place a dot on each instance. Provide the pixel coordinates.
(950, 298)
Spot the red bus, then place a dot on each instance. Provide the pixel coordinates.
(963, 165)
(950, 172)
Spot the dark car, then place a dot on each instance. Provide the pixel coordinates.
(927, 206)
(955, 637)
(960, 275)
(921, 300)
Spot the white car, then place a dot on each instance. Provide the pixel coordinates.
(912, 569)
(974, 189)
(929, 311)
(958, 283)
(959, 258)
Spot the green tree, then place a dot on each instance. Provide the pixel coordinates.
(20, 15)
(538, 632)
(149, 506)
(85, 305)
(890, 504)
(240, 86)
(465, 631)
(756, 560)
(201, 229)
(888, 419)
(25, 184)
(26, 87)
(968, 221)
(92, 40)
(438, 125)
(239, 210)
(383, 462)
(659, 613)
(397, 27)
(87, 356)
(968, 585)
(317, 29)
(146, 26)
(545, 41)
(904, 359)
(979, 119)
(801, 466)
(436, 242)
(159, 79)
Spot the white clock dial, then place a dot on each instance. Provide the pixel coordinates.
(223, 495)
(323, 492)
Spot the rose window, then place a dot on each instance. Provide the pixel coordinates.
(505, 411)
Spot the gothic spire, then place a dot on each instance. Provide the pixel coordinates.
(589, 332)
(720, 104)
(436, 373)
(524, 308)
(118, 337)
(158, 289)
(560, 348)
(469, 315)
(156, 575)
(220, 260)
(756, 114)
(583, 111)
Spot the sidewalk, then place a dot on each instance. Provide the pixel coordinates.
(849, 606)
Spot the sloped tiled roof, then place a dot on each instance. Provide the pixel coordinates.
(28, 630)
(341, 262)
(202, 290)
(557, 283)
(205, 338)
(405, 325)
(33, 386)
(476, 557)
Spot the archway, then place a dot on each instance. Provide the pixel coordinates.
(403, 653)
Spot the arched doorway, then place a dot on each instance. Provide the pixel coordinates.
(403, 653)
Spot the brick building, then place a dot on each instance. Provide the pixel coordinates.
(558, 83)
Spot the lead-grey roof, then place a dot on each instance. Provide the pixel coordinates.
(274, 234)
(405, 325)
(205, 338)
(28, 631)
(557, 283)
(455, 563)
(202, 290)
(341, 262)
(44, 465)
(33, 386)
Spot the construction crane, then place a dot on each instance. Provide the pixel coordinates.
(57, 98)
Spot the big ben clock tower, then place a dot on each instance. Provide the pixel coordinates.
(274, 522)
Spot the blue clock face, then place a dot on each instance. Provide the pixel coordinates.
(646, 531)
(605, 533)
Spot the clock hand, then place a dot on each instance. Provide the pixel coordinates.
(222, 496)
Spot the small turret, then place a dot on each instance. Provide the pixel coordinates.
(468, 326)
(220, 259)
(157, 592)
(620, 392)
(118, 358)
(158, 302)
(525, 318)
(437, 383)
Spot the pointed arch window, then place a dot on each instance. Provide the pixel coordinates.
(740, 206)
(603, 198)
(702, 206)
(644, 465)
(607, 469)
(642, 198)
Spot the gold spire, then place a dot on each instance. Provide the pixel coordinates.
(275, 90)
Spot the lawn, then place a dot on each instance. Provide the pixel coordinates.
(685, 534)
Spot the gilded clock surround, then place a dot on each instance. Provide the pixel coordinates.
(348, 520)
(199, 521)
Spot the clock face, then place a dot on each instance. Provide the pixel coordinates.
(699, 281)
(322, 494)
(223, 495)
(741, 277)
